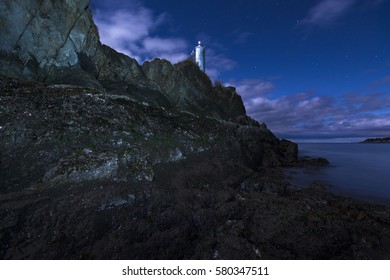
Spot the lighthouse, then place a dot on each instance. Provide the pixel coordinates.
(200, 56)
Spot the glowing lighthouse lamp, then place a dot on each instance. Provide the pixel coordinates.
(200, 56)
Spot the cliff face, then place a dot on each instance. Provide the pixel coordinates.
(77, 159)
(101, 158)
(188, 88)
(75, 135)
(92, 136)
(57, 42)
(89, 175)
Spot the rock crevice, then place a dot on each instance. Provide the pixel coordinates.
(33, 16)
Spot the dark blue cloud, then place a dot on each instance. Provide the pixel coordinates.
(305, 115)
(327, 12)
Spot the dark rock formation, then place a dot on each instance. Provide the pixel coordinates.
(309, 162)
(377, 140)
(188, 88)
(108, 159)
(58, 43)
(73, 135)
(85, 175)
(60, 139)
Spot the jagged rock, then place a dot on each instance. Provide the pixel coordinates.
(41, 38)
(89, 175)
(173, 84)
(308, 161)
(58, 42)
(231, 102)
(188, 88)
(377, 140)
(114, 67)
(110, 160)
(82, 135)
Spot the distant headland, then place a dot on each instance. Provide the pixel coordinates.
(377, 140)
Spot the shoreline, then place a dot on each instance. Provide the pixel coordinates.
(261, 218)
(74, 195)
(354, 170)
(299, 177)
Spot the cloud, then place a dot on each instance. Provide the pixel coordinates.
(384, 80)
(134, 30)
(130, 30)
(240, 37)
(305, 115)
(249, 88)
(368, 102)
(172, 49)
(327, 12)
(217, 62)
(380, 83)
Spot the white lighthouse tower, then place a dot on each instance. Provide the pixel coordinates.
(200, 56)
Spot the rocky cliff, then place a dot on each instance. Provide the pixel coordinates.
(71, 135)
(57, 42)
(86, 175)
(103, 158)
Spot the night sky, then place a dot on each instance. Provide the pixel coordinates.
(309, 69)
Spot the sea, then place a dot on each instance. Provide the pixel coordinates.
(357, 170)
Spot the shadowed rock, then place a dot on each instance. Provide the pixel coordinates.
(110, 160)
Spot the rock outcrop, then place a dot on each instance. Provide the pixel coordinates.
(71, 135)
(58, 43)
(103, 158)
(377, 140)
(188, 88)
(86, 175)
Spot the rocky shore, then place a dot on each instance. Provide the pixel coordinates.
(88, 175)
(104, 158)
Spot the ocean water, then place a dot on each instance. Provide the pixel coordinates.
(356, 170)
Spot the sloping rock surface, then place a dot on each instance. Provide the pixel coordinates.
(87, 175)
(69, 133)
